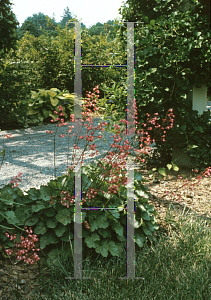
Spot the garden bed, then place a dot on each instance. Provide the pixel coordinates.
(197, 201)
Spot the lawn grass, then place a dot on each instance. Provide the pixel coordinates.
(177, 267)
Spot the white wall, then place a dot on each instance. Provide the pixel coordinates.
(200, 99)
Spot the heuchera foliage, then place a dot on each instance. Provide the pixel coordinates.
(105, 231)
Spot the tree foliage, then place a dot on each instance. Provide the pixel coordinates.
(36, 24)
(39, 24)
(47, 62)
(109, 28)
(67, 17)
(172, 53)
(8, 25)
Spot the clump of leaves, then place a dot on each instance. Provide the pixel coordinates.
(104, 230)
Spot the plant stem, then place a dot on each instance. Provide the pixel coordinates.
(54, 158)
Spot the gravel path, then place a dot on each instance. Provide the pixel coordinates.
(31, 152)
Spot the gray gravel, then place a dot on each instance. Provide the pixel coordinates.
(31, 152)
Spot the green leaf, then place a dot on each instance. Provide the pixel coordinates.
(137, 224)
(55, 101)
(146, 19)
(39, 206)
(49, 212)
(60, 230)
(137, 175)
(146, 231)
(103, 248)
(140, 240)
(32, 221)
(54, 116)
(199, 128)
(8, 196)
(175, 168)
(2, 152)
(47, 239)
(33, 194)
(105, 233)
(93, 225)
(145, 216)
(193, 146)
(121, 238)
(85, 179)
(102, 221)
(141, 193)
(52, 94)
(23, 214)
(183, 127)
(113, 248)
(90, 242)
(152, 227)
(64, 216)
(45, 192)
(32, 111)
(11, 217)
(197, 33)
(162, 171)
(160, 177)
(169, 166)
(51, 223)
(40, 228)
(142, 208)
(112, 214)
(95, 236)
(152, 22)
(45, 113)
(55, 90)
(151, 208)
(118, 228)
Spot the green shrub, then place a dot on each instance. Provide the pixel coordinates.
(53, 223)
(14, 92)
(172, 54)
(50, 60)
(42, 104)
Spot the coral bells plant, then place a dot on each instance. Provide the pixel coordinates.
(111, 169)
(145, 139)
(103, 183)
(15, 180)
(27, 245)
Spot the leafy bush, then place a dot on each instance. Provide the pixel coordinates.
(172, 54)
(45, 62)
(116, 95)
(42, 104)
(14, 92)
(104, 230)
(51, 60)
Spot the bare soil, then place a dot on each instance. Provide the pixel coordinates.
(195, 201)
